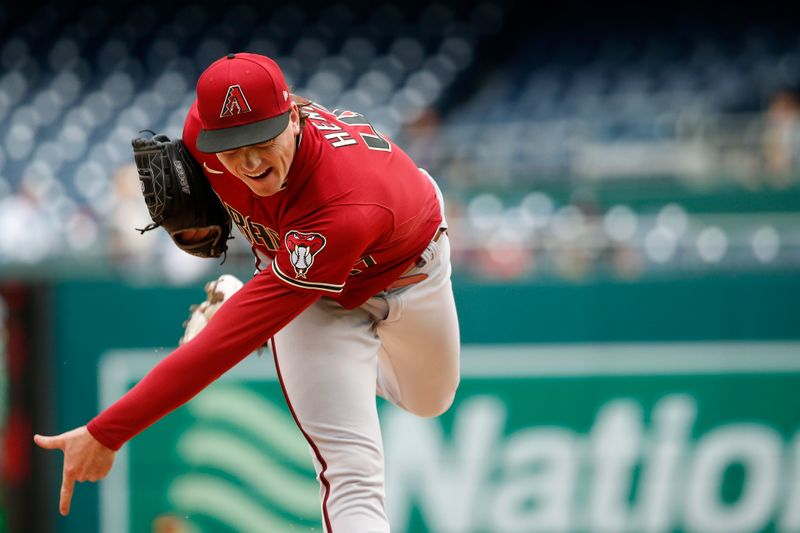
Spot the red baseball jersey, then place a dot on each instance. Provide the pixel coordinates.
(354, 214)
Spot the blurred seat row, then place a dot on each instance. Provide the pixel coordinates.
(76, 87)
(461, 86)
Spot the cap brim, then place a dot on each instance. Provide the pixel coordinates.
(213, 141)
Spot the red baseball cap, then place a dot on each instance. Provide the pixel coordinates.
(242, 99)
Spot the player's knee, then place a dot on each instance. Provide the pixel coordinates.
(433, 410)
(436, 404)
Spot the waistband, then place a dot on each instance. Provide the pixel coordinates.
(404, 280)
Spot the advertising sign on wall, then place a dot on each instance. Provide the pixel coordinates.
(569, 437)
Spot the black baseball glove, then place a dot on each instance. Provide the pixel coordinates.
(179, 197)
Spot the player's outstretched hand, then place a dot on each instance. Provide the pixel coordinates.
(85, 459)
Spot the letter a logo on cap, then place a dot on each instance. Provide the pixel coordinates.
(235, 103)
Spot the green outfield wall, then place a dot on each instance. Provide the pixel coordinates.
(661, 406)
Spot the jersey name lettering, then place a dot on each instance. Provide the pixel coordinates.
(254, 232)
(322, 124)
(344, 139)
(339, 137)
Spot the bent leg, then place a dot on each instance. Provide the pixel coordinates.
(420, 342)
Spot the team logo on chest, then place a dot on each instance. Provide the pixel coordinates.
(235, 103)
(302, 249)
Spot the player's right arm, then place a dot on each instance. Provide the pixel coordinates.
(244, 323)
(251, 316)
(247, 320)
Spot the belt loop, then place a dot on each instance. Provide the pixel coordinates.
(426, 253)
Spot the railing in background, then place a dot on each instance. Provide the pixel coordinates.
(699, 150)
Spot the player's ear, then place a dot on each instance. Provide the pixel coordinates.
(294, 119)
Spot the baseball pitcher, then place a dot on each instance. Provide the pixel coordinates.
(352, 283)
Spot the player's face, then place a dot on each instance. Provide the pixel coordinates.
(264, 167)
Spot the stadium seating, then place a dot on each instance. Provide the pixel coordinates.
(560, 109)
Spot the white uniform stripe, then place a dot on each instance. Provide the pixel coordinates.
(329, 287)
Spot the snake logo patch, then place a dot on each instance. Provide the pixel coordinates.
(235, 103)
(302, 249)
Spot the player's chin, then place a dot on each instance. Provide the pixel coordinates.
(265, 187)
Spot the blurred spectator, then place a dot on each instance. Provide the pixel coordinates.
(152, 253)
(423, 142)
(180, 268)
(626, 260)
(578, 238)
(126, 246)
(782, 138)
(25, 235)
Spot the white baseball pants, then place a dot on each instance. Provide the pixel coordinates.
(402, 344)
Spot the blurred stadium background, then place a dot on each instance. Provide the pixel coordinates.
(624, 207)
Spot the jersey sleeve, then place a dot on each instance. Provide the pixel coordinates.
(244, 323)
(318, 253)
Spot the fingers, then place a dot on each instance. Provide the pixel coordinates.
(85, 459)
(67, 483)
(67, 487)
(49, 443)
